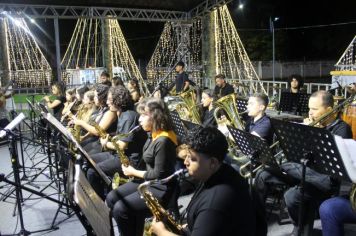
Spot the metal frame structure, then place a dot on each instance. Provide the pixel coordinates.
(75, 12)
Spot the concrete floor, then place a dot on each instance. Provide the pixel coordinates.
(38, 213)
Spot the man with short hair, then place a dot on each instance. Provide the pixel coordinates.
(259, 123)
(182, 82)
(222, 88)
(221, 204)
(105, 78)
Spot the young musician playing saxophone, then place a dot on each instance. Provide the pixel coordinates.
(119, 101)
(221, 204)
(159, 154)
(69, 104)
(105, 118)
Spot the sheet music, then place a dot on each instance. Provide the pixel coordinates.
(347, 150)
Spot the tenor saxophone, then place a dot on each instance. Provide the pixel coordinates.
(159, 213)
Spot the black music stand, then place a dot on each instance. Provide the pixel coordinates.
(241, 104)
(255, 148)
(179, 128)
(296, 103)
(189, 125)
(311, 146)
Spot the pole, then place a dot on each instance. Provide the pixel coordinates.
(58, 50)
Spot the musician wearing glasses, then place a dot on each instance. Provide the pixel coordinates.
(159, 155)
(259, 123)
(222, 88)
(119, 101)
(221, 204)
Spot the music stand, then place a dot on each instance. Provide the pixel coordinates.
(250, 144)
(310, 145)
(189, 125)
(294, 102)
(241, 104)
(178, 124)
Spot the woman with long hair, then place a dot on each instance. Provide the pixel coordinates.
(57, 104)
(159, 155)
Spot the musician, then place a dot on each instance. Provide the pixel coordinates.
(222, 88)
(318, 186)
(259, 123)
(70, 99)
(105, 118)
(134, 88)
(221, 204)
(128, 208)
(79, 93)
(207, 100)
(119, 101)
(295, 84)
(105, 78)
(59, 99)
(116, 81)
(182, 82)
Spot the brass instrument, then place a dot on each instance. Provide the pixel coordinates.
(69, 112)
(228, 104)
(156, 208)
(76, 130)
(188, 110)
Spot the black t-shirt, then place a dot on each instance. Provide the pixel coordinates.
(181, 78)
(208, 118)
(226, 90)
(57, 111)
(160, 158)
(126, 122)
(340, 128)
(221, 206)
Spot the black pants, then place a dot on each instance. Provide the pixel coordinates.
(130, 210)
(317, 187)
(109, 164)
(93, 147)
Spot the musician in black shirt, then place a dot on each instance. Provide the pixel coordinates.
(221, 204)
(182, 81)
(159, 155)
(207, 100)
(222, 88)
(59, 99)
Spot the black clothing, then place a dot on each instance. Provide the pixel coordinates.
(262, 127)
(160, 158)
(208, 118)
(128, 208)
(340, 128)
(57, 111)
(221, 206)
(226, 90)
(318, 187)
(181, 78)
(110, 163)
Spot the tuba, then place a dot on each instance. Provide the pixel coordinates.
(188, 110)
(229, 106)
(156, 208)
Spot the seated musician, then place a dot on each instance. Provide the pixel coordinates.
(221, 204)
(159, 154)
(222, 88)
(295, 84)
(59, 99)
(134, 88)
(318, 186)
(79, 93)
(116, 81)
(119, 101)
(70, 99)
(207, 99)
(105, 118)
(259, 123)
(105, 78)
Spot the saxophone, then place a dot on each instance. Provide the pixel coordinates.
(156, 208)
(353, 196)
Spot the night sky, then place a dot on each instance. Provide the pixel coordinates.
(313, 43)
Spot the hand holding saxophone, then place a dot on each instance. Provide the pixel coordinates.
(128, 170)
(104, 141)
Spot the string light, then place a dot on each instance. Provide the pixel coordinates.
(28, 66)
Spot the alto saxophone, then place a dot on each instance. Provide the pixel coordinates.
(156, 208)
